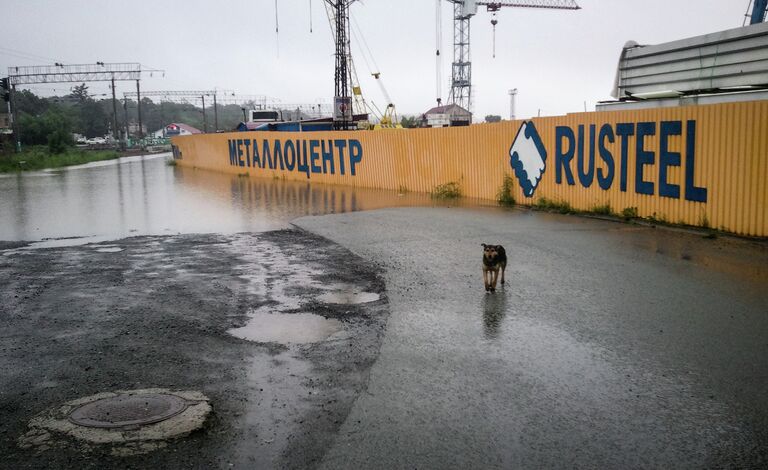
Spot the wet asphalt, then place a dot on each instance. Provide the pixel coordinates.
(155, 311)
(611, 346)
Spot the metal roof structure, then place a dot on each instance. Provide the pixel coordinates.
(721, 61)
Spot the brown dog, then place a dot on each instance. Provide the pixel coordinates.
(494, 259)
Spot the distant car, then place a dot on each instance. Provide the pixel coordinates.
(96, 141)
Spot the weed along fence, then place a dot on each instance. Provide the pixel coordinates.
(697, 165)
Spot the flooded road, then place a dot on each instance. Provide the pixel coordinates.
(145, 196)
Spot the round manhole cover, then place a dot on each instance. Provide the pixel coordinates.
(128, 410)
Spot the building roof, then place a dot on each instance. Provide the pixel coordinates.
(448, 109)
(186, 127)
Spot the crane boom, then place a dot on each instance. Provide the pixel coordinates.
(548, 4)
(463, 11)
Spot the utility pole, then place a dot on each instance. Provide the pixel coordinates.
(138, 106)
(125, 108)
(215, 114)
(114, 111)
(205, 121)
(15, 117)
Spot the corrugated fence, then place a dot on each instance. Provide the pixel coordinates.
(697, 165)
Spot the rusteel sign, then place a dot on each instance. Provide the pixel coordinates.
(584, 156)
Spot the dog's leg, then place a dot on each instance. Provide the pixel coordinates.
(485, 279)
(494, 278)
(503, 267)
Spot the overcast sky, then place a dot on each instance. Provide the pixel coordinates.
(558, 60)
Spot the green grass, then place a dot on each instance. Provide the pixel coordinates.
(171, 163)
(602, 210)
(544, 204)
(629, 213)
(504, 196)
(450, 190)
(658, 219)
(39, 158)
(704, 221)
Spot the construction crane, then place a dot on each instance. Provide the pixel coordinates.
(463, 11)
(359, 106)
(338, 15)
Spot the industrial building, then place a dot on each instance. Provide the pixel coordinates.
(726, 66)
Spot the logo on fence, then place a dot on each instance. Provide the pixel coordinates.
(528, 158)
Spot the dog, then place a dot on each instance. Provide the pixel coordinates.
(494, 259)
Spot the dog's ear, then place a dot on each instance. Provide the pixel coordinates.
(484, 245)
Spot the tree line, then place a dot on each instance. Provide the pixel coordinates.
(53, 120)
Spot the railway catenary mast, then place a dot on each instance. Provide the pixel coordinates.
(463, 11)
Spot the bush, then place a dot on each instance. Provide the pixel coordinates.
(504, 196)
(602, 210)
(629, 213)
(58, 141)
(450, 190)
(544, 204)
(52, 128)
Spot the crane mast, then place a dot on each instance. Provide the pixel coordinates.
(463, 11)
(342, 98)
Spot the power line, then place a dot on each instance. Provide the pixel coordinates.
(27, 54)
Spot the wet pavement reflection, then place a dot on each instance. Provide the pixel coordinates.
(494, 311)
(145, 196)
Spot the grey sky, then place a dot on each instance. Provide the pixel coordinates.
(556, 59)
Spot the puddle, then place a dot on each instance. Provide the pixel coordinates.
(284, 328)
(109, 249)
(66, 242)
(348, 298)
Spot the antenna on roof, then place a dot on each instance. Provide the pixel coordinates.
(277, 31)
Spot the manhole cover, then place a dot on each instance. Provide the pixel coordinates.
(128, 410)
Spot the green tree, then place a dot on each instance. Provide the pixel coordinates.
(410, 122)
(94, 122)
(80, 93)
(27, 102)
(52, 128)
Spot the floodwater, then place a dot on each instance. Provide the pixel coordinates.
(145, 196)
(299, 328)
(348, 297)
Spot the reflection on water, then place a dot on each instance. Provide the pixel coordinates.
(298, 328)
(145, 196)
(494, 311)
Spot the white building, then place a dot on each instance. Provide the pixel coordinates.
(173, 129)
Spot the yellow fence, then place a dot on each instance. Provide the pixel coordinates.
(698, 165)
